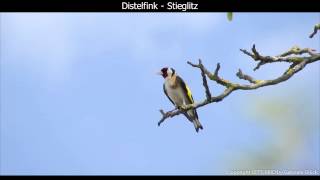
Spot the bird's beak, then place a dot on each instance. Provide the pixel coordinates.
(159, 73)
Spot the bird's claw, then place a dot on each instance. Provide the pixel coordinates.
(181, 107)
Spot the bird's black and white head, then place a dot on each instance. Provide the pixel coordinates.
(167, 72)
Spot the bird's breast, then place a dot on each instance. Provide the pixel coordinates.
(175, 94)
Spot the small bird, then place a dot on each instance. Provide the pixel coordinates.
(179, 94)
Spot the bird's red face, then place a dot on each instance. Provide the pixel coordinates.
(164, 72)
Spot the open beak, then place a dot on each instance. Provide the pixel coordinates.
(159, 73)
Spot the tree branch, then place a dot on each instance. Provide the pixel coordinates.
(204, 79)
(246, 77)
(292, 56)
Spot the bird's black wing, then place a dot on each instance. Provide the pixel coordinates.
(187, 91)
(165, 92)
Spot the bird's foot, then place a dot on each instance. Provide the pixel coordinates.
(181, 107)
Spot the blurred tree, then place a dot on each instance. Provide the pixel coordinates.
(288, 129)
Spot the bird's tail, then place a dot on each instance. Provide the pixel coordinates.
(193, 117)
(197, 124)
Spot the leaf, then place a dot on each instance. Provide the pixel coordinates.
(229, 15)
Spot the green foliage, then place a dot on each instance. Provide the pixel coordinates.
(229, 16)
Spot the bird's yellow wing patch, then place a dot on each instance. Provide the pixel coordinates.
(189, 94)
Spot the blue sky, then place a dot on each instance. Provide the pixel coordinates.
(79, 94)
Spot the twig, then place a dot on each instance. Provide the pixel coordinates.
(295, 50)
(246, 77)
(284, 57)
(204, 79)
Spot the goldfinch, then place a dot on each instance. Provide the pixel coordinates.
(179, 94)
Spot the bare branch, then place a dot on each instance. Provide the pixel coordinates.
(165, 115)
(176, 112)
(246, 77)
(204, 79)
(295, 50)
(315, 30)
(297, 64)
(284, 57)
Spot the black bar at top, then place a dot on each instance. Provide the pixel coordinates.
(202, 6)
